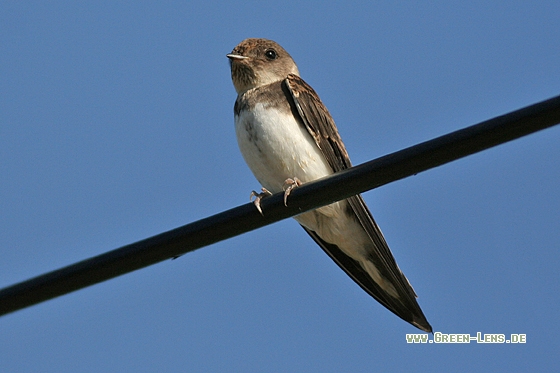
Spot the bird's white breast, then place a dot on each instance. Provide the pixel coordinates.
(276, 147)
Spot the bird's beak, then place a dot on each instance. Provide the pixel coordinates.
(235, 57)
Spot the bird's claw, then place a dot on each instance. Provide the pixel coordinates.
(289, 185)
(258, 196)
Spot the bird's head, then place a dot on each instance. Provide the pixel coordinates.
(258, 62)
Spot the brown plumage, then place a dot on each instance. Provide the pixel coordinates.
(272, 93)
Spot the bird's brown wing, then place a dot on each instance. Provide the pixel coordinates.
(314, 115)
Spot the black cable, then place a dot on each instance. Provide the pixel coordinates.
(245, 218)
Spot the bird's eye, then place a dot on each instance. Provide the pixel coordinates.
(270, 54)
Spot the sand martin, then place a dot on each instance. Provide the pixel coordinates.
(287, 137)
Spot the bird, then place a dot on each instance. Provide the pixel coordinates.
(287, 137)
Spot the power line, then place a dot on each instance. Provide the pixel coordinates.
(245, 218)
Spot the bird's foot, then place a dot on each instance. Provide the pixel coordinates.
(289, 185)
(258, 196)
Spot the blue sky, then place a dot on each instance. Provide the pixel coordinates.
(116, 123)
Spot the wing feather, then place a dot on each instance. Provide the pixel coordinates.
(319, 123)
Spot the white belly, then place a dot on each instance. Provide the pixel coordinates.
(276, 147)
